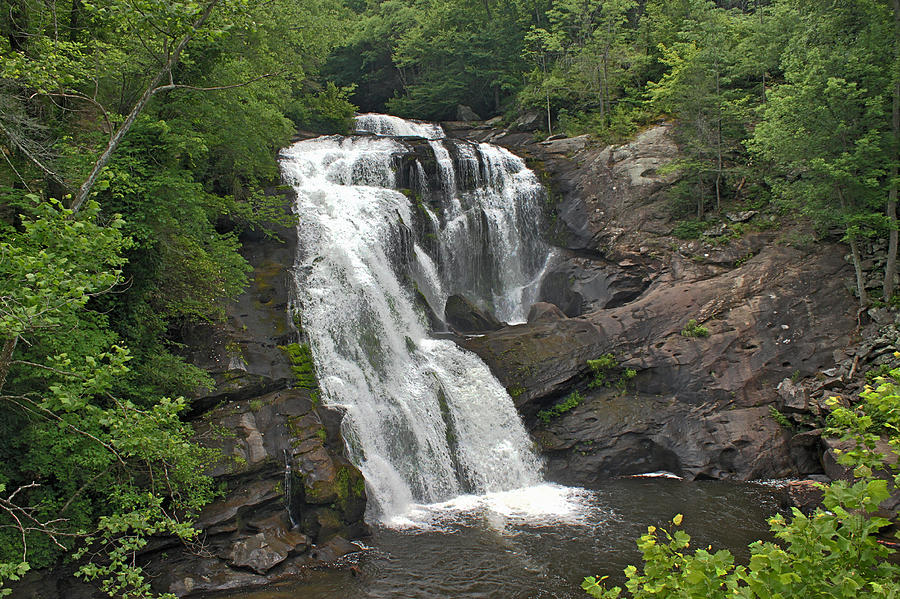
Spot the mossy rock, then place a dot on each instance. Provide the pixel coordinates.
(300, 357)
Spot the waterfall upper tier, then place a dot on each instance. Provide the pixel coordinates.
(385, 124)
(384, 222)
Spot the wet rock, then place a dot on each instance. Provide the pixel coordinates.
(766, 321)
(262, 551)
(465, 317)
(805, 450)
(242, 353)
(805, 495)
(289, 485)
(612, 434)
(334, 549)
(544, 312)
(582, 284)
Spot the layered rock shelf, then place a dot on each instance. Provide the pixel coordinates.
(698, 406)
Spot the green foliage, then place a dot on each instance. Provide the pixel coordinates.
(690, 229)
(600, 368)
(571, 401)
(780, 418)
(329, 111)
(694, 329)
(832, 553)
(87, 471)
(877, 372)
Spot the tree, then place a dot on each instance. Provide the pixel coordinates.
(698, 90)
(824, 128)
(83, 469)
(890, 267)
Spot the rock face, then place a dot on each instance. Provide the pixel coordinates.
(699, 406)
(465, 317)
(292, 498)
(289, 491)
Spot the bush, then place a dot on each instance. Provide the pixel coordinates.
(694, 329)
(690, 229)
(329, 111)
(601, 367)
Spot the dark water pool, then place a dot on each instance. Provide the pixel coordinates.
(488, 552)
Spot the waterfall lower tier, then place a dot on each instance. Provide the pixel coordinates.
(425, 420)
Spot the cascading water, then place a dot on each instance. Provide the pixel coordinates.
(425, 420)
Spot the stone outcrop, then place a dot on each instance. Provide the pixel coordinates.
(290, 491)
(465, 317)
(699, 406)
(292, 498)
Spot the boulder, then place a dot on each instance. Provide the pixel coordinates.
(579, 284)
(466, 114)
(465, 317)
(794, 397)
(805, 495)
(544, 312)
(765, 321)
(611, 434)
(530, 121)
(566, 145)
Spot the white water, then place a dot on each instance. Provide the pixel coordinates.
(425, 421)
(384, 124)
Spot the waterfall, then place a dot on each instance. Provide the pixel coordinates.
(381, 217)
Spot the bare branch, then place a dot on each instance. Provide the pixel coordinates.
(12, 138)
(88, 99)
(104, 158)
(171, 86)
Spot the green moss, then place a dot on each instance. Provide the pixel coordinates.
(515, 391)
(348, 485)
(570, 402)
(359, 486)
(322, 434)
(780, 418)
(342, 486)
(302, 365)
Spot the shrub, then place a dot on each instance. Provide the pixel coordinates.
(694, 329)
(601, 367)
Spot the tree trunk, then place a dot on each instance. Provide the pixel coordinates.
(860, 279)
(116, 139)
(890, 267)
(549, 125)
(6, 352)
(75, 20)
